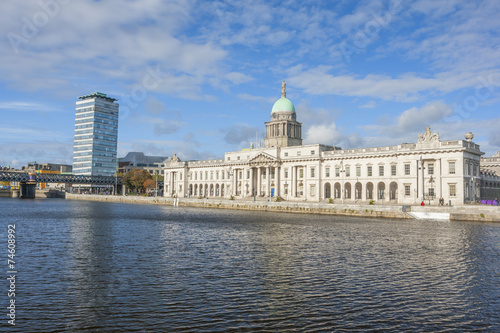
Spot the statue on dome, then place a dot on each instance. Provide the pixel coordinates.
(283, 89)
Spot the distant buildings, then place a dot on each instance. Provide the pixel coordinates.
(96, 135)
(45, 167)
(137, 160)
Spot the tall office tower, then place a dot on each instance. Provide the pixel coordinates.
(96, 135)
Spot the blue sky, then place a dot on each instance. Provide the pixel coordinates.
(199, 78)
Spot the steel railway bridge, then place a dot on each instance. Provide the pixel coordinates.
(27, 181)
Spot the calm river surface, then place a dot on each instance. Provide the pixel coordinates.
(109, 267)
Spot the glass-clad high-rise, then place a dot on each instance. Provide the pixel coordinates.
(96, 135)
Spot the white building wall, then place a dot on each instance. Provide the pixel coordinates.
(241, 174)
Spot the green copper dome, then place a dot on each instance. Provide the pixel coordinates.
(283, 104)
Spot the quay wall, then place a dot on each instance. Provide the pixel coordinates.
(284, 206)
(481, 213)
(458, 213)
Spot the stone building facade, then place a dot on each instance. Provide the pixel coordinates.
(490, 177)
(405, 174)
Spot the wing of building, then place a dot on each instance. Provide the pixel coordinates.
(428, 170)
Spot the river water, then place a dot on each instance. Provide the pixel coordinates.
(110, 267)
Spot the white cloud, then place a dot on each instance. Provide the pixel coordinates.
(407, 87)
(117, 46)
(416, 118)
(323, 133)
(27, 106)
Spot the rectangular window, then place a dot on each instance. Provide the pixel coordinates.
(229, 158)
(453, 190)
(206, 175)
(348, 171)
(381, 170)
(180, 175)
(407, 190)
(393, 170)
(407, 169)
(337, 172)
(301, 173)
(431, 192)
(211, 175)
(286, 173)
(298, 153)
(238, 158)
(286, 154)
(452, 168)
(369, 171)
(241, 175)
(312, 190)
(358, 171)
(430, 169)
(312, 152)
(327, 172)
(312, 173)
(196, 176)
(248, 174)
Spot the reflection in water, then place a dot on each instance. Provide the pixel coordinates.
(91, 267)
(114, 267)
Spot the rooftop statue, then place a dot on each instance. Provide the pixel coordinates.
(428, 136)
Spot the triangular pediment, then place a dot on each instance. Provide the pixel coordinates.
(263, 157)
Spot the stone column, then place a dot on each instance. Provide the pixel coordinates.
(277, 181)
(268, 181)
(294, 181)
(251, 182)
(259, 181)
(235, 174)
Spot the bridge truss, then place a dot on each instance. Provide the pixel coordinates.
(22, 177)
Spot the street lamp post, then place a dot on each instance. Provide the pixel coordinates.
(422, 176)
(342, 174)
(431, 189)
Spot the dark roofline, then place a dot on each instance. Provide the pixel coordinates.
(98, 94)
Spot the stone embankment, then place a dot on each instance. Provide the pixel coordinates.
(465, 213)
(388, 211)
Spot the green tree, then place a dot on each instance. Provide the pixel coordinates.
(134, 179)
